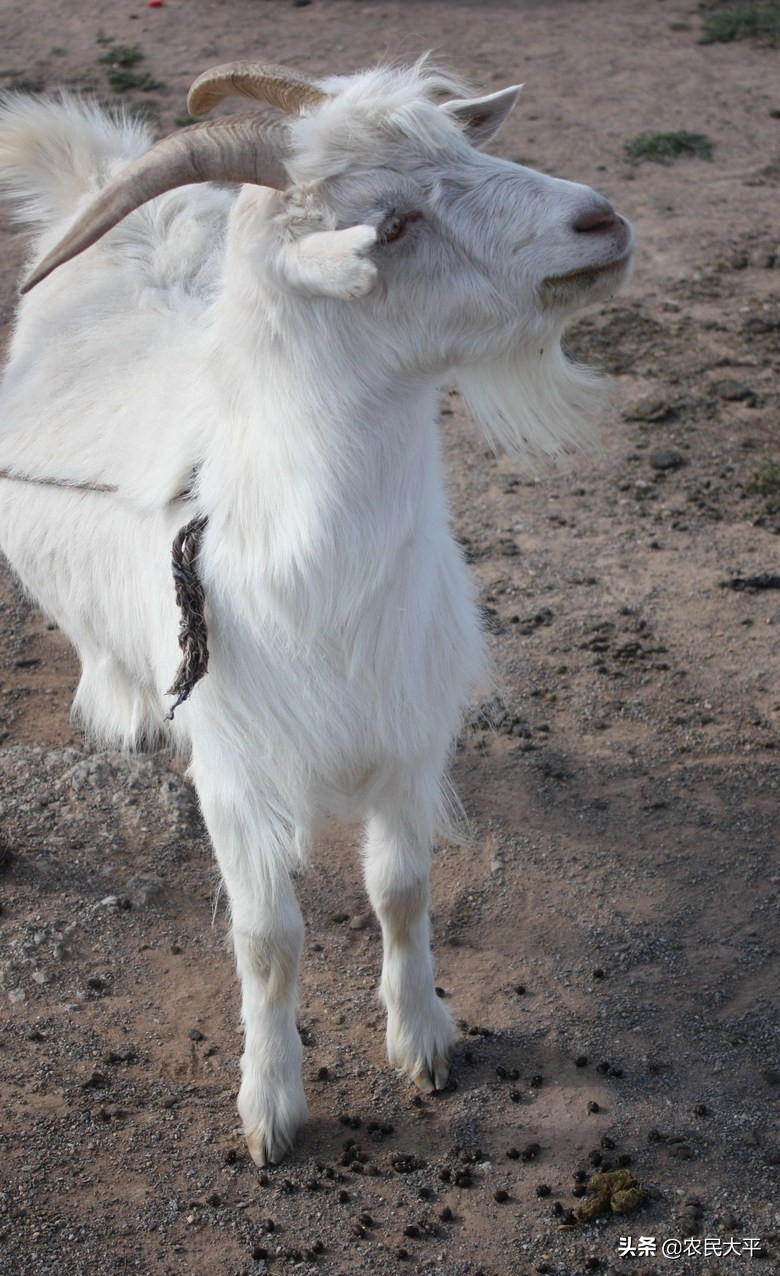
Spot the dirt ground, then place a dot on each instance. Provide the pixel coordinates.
(607, 933)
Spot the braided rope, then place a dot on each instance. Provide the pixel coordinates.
(190, 599)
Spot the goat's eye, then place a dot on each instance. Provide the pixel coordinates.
(391, 228)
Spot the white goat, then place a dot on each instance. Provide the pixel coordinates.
(283, 341)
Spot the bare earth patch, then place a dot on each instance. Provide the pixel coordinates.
(606, 931)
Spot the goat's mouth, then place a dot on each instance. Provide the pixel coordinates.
(585, 284)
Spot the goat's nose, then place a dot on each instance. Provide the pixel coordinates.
(596, 221)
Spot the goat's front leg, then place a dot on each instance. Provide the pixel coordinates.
(419, 1028)
(268, 938)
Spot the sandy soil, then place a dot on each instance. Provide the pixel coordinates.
(617, 898)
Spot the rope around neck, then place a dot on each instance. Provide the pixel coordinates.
(50, 482)
(190, 599)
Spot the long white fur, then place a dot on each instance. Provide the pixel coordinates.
(268, 341)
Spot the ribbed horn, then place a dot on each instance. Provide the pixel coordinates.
(289, 90)
(239, 148)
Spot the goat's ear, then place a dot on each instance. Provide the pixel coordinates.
(326, 263)
(482, 117)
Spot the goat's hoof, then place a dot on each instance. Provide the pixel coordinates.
(262, 1152)
(271, 1120)
(421, 1049)
(268, 1144)
(429, 1080)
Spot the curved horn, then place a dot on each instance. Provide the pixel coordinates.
(238, 148)
(277, 85)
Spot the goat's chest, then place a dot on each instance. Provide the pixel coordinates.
(342, 677)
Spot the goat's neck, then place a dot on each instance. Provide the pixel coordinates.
(325, 463)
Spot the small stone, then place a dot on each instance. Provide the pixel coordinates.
(148, 889)
(124, 1055)
(412, 1230)
(195, 1034)
(361, 922)
(340, 918)
(666, 459)
(648, 409)
(735, 392)
(95, 1081)
(259, 1253)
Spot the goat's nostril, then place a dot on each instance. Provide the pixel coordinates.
(598, 220)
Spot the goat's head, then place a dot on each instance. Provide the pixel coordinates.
(462, 260)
